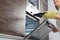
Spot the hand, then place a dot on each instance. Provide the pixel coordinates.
(57, 3)
(50, 14)
(55, 30)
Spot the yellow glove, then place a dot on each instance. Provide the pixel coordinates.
(50, 14)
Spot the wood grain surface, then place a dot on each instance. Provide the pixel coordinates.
(9, 15)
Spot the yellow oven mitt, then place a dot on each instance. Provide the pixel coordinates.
(50, 14)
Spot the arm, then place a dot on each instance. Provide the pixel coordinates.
(58, 17)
